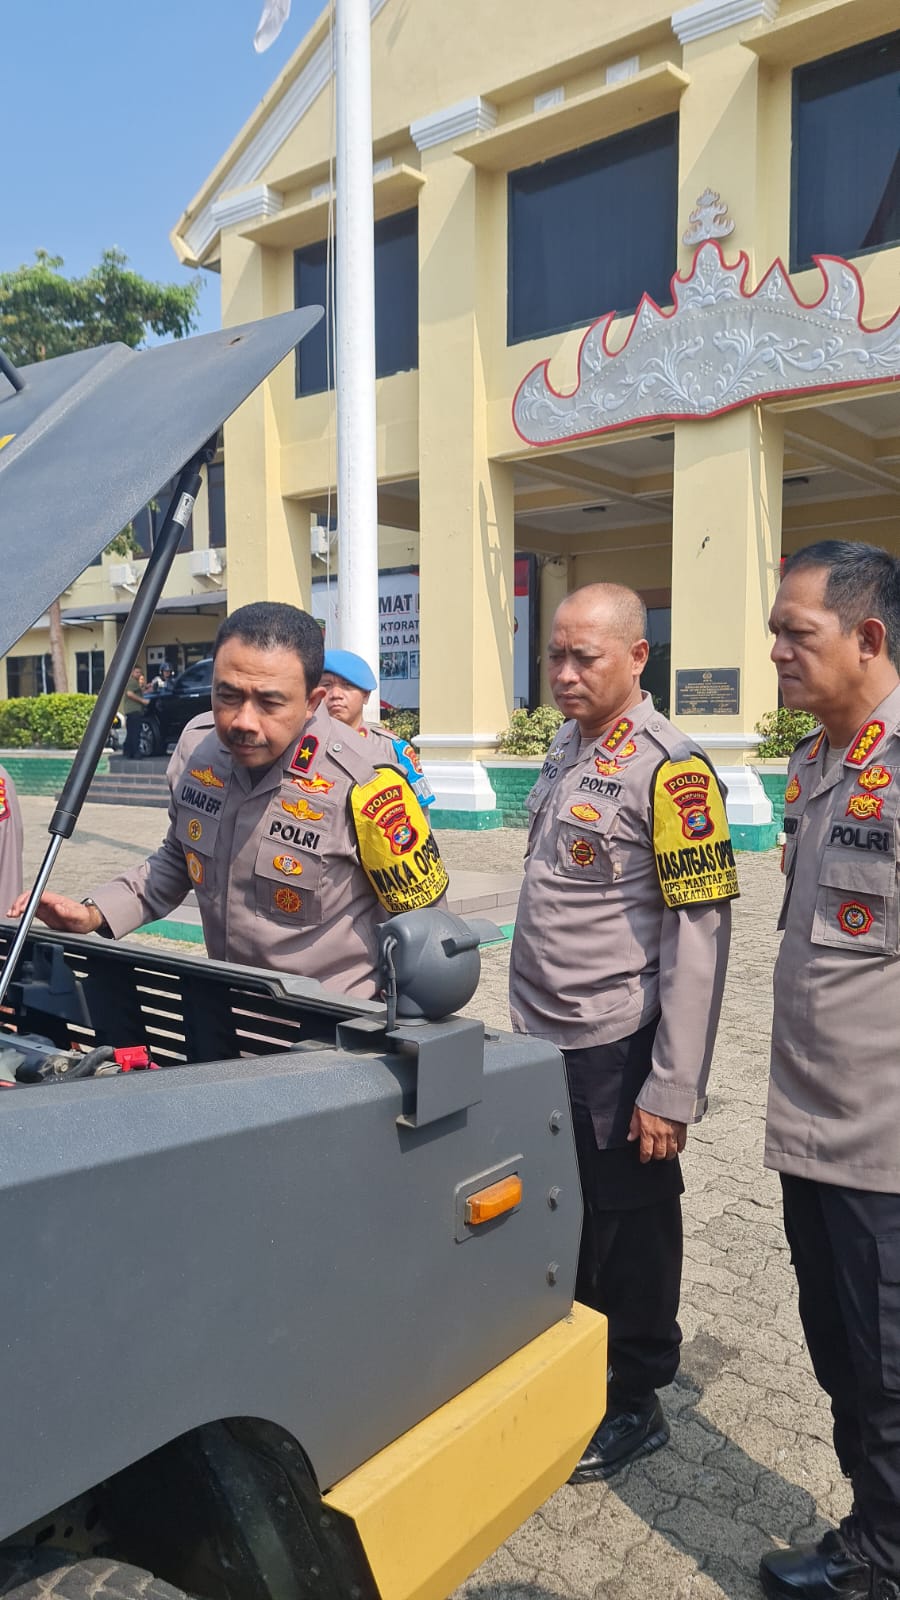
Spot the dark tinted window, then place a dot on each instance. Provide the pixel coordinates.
(396, 304)
(846, 191)
(215, 484)
(90, 667)
(593, 230)
(29, 675)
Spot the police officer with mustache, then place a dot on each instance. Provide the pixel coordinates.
(296, 835)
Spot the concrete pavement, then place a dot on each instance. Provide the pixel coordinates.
(750, 1461)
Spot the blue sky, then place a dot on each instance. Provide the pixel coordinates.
(115, 111)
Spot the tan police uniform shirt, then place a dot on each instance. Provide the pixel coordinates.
(834, 1092)
(617, 921)
(10, 843)
(279, 868)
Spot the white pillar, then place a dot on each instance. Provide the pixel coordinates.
(355, 338)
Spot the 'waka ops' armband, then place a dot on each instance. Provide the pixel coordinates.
(397, 849)
(691, 840)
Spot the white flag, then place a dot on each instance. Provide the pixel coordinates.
(274, 16)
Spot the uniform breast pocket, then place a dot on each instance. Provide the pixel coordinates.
(857, 905)
(585, 844)
(288, 886)
(197, 836)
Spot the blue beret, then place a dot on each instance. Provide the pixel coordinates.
(344, 664)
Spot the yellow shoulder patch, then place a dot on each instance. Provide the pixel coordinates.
(691, 841)
(397, 849)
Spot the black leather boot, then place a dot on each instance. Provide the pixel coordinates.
(829, 1570)
(623, 1436)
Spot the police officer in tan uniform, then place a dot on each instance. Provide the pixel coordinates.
(833, 1124)
(297, 839)
(348, 682)
(619, 956)
(10, 841)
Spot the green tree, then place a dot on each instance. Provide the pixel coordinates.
(43, 314)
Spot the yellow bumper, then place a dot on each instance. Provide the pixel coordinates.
(433, 1505)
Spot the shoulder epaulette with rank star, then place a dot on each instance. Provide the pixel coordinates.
(615, 736)
(868, 739)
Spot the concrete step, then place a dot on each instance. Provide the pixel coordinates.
(111, 790)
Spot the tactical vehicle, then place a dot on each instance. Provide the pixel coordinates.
(293, 1315)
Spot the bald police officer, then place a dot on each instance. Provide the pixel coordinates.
(619, 957)
(348, 682)
(833, 1124)
(297, 839)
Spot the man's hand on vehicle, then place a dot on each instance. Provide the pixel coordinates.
(661, 1140)
(59, 912)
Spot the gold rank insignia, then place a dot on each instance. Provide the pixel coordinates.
(617, 734)
(303, 756)
(792, 792)
(207, 777)
(875, 778)
(289, 865)
(302, 810)
(585, 813)
(865, 806)
(866, 740)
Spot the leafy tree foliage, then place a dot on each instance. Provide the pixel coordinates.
(43, 313)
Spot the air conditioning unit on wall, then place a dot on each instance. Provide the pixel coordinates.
(123, 576)
(207, 563)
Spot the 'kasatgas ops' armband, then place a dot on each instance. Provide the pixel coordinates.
(691, 841)
(397, 849)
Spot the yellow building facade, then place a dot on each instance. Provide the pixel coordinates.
(537, 169)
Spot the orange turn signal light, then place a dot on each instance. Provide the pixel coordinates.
(493, 1201)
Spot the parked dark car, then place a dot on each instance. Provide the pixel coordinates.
(170, 710)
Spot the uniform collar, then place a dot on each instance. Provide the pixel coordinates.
(617, 738)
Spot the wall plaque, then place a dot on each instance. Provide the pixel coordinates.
(708, 692)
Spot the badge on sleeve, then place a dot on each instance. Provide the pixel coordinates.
(398, 852)
(691, 839)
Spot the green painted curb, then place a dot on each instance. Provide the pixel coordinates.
(755, 836)
(472, 821)
(167, 928)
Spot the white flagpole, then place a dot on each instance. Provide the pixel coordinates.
(355, 339)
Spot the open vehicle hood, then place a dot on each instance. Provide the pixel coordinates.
(93, 436)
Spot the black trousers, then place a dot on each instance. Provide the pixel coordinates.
(629, 1263)
(133, 722)
(845, 1247)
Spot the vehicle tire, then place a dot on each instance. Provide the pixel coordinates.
(44, 1574)
(149, 738)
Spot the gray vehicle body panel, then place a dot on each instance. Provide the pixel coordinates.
(261, 1238)
(96, 435)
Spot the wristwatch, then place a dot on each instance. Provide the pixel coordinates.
(104, 930)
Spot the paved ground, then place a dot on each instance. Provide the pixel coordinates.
(750, 1461)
